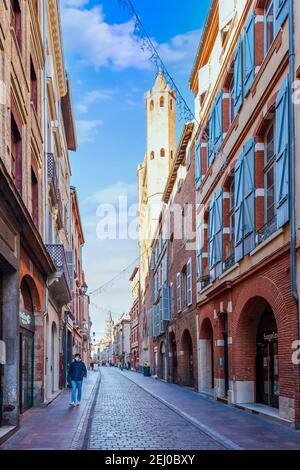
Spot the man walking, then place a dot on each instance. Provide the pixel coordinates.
(77, 372)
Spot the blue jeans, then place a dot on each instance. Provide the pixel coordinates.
(76, 385)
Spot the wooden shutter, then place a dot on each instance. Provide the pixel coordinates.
(198, 172)
(249, 197)
(238, 207)
(199, 251)
(165, 303)
(282, 154)
(211, 132)
(218, 126)
(248, 48)
(281, 11)
(238, 78)
(215, 232)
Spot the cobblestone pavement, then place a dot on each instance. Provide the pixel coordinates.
(127, 417)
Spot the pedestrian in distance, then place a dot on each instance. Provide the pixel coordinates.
(77, 373)
(92, 366)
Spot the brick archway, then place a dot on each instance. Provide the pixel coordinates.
(187, 359)
(206, 355)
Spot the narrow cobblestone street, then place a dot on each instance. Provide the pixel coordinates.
(127, 411)
(127, 417)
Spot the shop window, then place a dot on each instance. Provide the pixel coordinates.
(16, 21)
(269, 173)
(269, 20)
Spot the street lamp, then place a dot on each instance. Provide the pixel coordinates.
(84, 288)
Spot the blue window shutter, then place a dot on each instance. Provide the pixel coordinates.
(188, 157)
(219, 231)
(189, 282)
(199, 250)
(249, 197)
(281, 10)
(198, 172)
(238, 78)
(282, 154)
(239, 207)
(165, 303)
(249, 59)
(218, 138)
(212, 249)
(211, 131)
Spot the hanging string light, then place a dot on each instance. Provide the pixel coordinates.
(148, 47)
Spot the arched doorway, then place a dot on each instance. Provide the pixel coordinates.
(207, 356)
(26, 364)
(188, 360)
(54, 358)
(257, 367)
(173, 358)
(267, 367)
(162, 361)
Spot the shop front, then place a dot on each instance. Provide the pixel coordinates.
(26, 362)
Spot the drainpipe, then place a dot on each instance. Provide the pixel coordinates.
(292, 135)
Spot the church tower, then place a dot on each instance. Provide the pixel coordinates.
(161, 143)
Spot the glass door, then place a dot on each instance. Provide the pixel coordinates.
(26, 369)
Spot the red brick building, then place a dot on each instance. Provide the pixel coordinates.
(134, 319)
(247, 315)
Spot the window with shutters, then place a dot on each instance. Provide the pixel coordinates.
(189, 282)
(231, 101)
(171, 297)
(238, 78)
(269, 173)
(16, 21)
(178, 292)
(269, 20)
(198, 170)
(215, 128)
(184, 286)
(215, 234)
(16, 154)
(248, 54)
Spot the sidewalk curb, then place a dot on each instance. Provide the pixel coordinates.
(219, 438)
(79, 437)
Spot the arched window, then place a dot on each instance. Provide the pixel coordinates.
(151, 105)
(162, 102)
(162, 153)
(152, 156)
(172, 154)
(171, 104)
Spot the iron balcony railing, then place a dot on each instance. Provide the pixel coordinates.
(229, 262)
(267, 230)
(58, 256)
(52, 175)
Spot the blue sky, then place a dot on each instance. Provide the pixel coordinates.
(110, 75)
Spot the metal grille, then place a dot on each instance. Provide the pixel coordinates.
(52, 174)
(58, 256)
(267, 230)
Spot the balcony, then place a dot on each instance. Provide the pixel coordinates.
(54, 188)
(60, 284)
(266, 231)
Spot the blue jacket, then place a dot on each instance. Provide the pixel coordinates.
(77, 370)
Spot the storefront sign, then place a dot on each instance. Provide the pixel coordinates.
(270, 337)
(26, 319)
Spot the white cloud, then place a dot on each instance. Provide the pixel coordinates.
(87, 129)
(100, 44)
(111, 194)
(92, 97)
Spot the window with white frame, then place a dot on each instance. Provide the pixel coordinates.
(178, 292)
(189, 282)
(171, 297)
(269, 173)
(269, 20)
